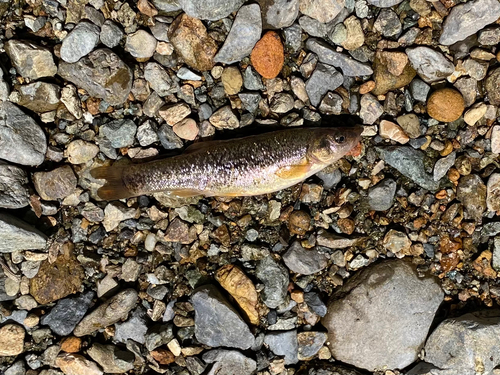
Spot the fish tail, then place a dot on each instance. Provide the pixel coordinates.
(114, 188)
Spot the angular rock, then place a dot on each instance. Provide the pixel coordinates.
(224, 118)
(112, 359)
(468, 18)
(39, 96)
(80, 152)
(430, 65)
(113, 310)
(371, 109)
(212, 10)
(167, 6)
(115, 213)
(80, 42)
(169, 140)
(322, 10)
(75, 364)
(443, 165)
(334, 241)
(384, 77)
(384, 3)
(381, 196)
(134, 328)
(120, 133)
(31, 61)
(275, 279)
(56, 184)
(388, 23)
(111, 34)
(395, 241)
(284, 344)
(217, 323)
(18, 235)
(278, 14)
(245, 32)
(324, 78)
(229, 362)
(385, 312)
(102, 74)
(492, 85)
(22, 141)
(11, 340)
(493, 192)
(310, 343)
(304, 261)
(13, 187)
(471, 191)
(159, 80)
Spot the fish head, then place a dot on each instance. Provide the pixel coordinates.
(331, 144)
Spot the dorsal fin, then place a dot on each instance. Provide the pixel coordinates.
(203, 145)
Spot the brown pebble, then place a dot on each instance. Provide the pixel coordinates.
(446, 105)
(297, 296)
(268, 56)
(163, 356)
(453, 175)
(366, 87)
(346, 225)
(299, 222)
(71, 344)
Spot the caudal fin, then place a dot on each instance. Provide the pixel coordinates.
(114, 188)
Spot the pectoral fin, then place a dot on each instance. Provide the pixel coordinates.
(293, 172)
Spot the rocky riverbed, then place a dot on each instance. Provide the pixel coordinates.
(387, 262)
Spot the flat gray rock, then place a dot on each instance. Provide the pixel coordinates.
(324, 78)
(430, 65)
(467, 19)
(275, 279)
(384, 3)
(383, 312)
(112, 359)
(322, 10)
(212, 10)
(167, 6)
(304, 261)
(80, 41)
(229, 362)
(18, 235)
(284, 344)
(22, 141)
(245, 32)
(39, 97)
(31, 61)
(278, 14)
(13, 187)
(111, 34)
(120, 133)
(381, 196)
(134, 328)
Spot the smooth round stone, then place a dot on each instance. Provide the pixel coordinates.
(80, 42)
(141, 44)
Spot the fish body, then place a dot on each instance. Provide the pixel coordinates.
(247, 166)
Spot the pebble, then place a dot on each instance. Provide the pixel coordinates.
(80, 152)
(355, 37)
(489, 36)
(492, 85)
(115, 213)
(279, 14)
(410, 124)
(18, 367)
(228, 362)
(56, 184)
(244, 34)
(111, 34)
(493, 192)
(390, 130)
(468, 18)
(384, 3)
(392, 71)
(39, 97)
(267, 56)
(471, 191)
(282, 103)
(212, 10)
(70, 98)
(11, 340)
(22, 141)
(18, 235)
(275, 279)
(327, 55)
(186, 74)
(410, 163)
(159, 80)
(186, 129)
(443, 165)
(331, 104)
(190, 39)
(284, 344)
(112, 359)
(75, 364)
(67, 313)
(250, 101)
(102, 74)
(104, 316)
(120, 133)
(30, 60)
(324, 78)
(387, 23)
(232, 80)
(381, 196)
(141, 44)
(310, 343)
(304, 261)
(371, 109)
(168, 139)
(395, 241)
(473, 115)
(134, 328)
(315, 304)
(419, 90)
(322, 10)
(299, 222)
(217, 323)
(430, 65)
(252, 80)
(224, 118)
(394, 310)
(445, 105)
(80, 42)
(13, 187)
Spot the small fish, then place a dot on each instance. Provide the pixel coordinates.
(254, 165)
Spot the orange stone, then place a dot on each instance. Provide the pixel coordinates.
(268, 55)
(71, 344)
(446, 105)
(163, 356)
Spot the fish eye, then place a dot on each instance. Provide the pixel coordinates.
(340, 139)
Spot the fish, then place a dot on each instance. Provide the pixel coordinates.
(248, 166)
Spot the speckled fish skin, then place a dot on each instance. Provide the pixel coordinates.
(247, 166)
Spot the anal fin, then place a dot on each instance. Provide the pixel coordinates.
(293, 172)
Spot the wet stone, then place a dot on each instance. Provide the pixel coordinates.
(18, 235)
(168, 139)
(278, 14)
(56, 184)
(419, 90)
(324, 78)
(250, 101)
(381, 196)
(13, 187)
(111, 34)
(443, 165)
(228, 362)
(392, 71)
(430, 65)
(284, 344)
(80, 42)
(275, 279)
(388, 23)
(304, 261)
(30, 60)
(112, 359)
(293, 37)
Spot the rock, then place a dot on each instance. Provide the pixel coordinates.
(250, 101)
(410, 124)
(395, 241)
(80, 152)
(331, 104)
(385, 311)
(445, 105)
(410, 163)
(70, 98)
(229, 362)
(313, 27)
(232, 80)
(39, 97)
(430, 65)
(186, 74)
(489, 36)
(115, 213)
(119, 133)
(324, 78)
(75, 364)
(17, 235)
(11, 340)
(468, 89)
(112, 359)
(217, 323)
(390, 130)
(466, 343)
(334, 241)
(381, 196)
(190, 39)
(241, 288)
(443, 165)
(212, 10)
(282, 103)
(13, 187)
(56, 184)
(388, 23)
(471, 191)
(31, 61)
(102, 74)
(386, 64)
(310, 343)
(224, 118)
(113, 310)
(111, 34)
(167, 6)
(419, 90)
(304, 261)
(168, 139)
(284, 344)
(159, 80)
(245, 32)
(173, 114)
(493, 192)
(141, 44)
(322, 10)
(186, 129)
(354, 34)
(476, 113)
(278, 14)
(371, 109)
(468, 18)
(18, 367)
(384, 3)
(22, 141)
(67, 313)
(58, 279)
(328, 55)
(268, 56)
(492, 85)
(80, 42)
(275, 279)
(299, 222)
(134, 328)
